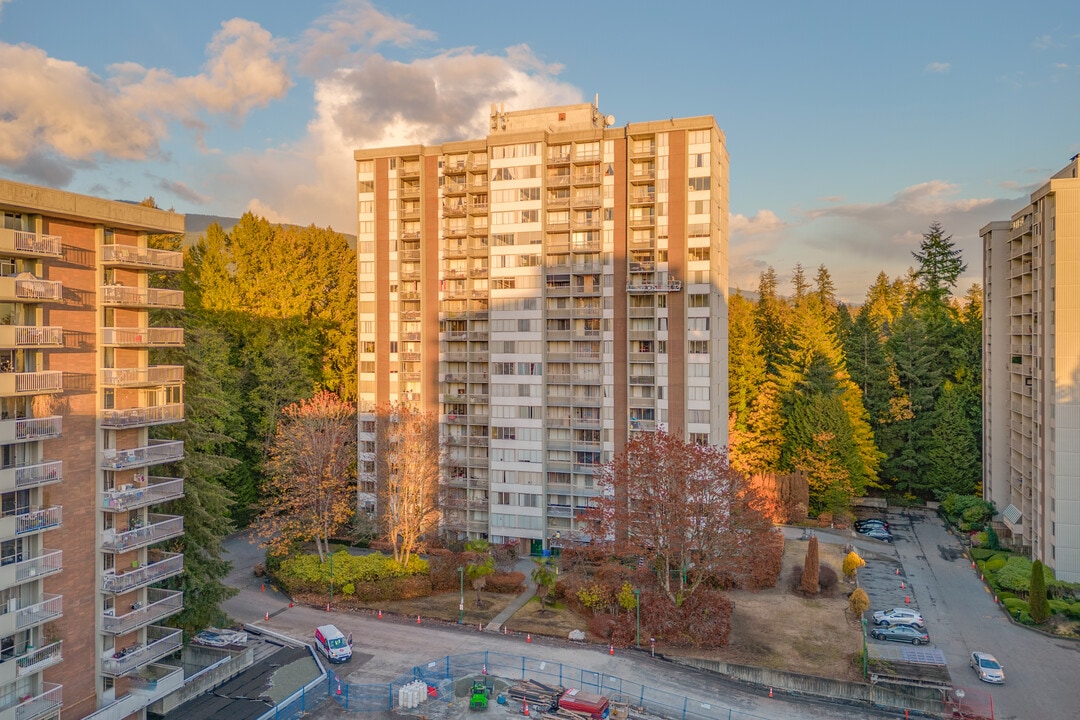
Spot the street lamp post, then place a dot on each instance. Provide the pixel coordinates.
(461, 601)
(331, 582)
(864, 649)
(637, 607)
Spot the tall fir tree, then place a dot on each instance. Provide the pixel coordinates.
(746, 359)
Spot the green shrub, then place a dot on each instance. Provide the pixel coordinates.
(1005, 595)
(995, 564)
(348, 590)
(1014, 604)
(305, 573)
(1025, 619)
(981, 553)
(1074, 611)
(1016, 575)
(1060, 607)
(978, 538)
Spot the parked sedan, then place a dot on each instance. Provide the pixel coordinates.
(877, 534)
(871, 523)
(901, 633)
(987, 668)
(899, 616)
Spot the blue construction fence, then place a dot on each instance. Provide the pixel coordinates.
(299, 704)
(440, 677)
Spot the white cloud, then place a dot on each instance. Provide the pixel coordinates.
(938, 67)
(1043, 42)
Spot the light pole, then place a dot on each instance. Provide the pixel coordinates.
(461, 602)
(637, 607)
(331, 583)
(864, 649)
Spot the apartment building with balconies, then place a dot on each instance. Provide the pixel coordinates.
(548, 291)
(80, 622)
(1031, 373)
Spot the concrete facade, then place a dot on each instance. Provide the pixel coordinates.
(79, 395)
(1031, 372)
(548, 290)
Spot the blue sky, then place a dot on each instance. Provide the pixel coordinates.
(851, 126)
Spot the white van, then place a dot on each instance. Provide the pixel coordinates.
(333, 643)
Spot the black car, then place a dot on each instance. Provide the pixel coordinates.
(877, 534)
(871, 523)
(901, 633)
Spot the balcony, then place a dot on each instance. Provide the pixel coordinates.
(129, 497)
(159, 527)
(142, 337)
(162, 565)
(27, 429)
(158, 452)
(31, 383)
(137, 258)
(22, 477)
(143, 377)
(33, 661)
(13, 620)
(160, 604)
(142, 416)
(28, 288)
(29, 244)
(161, 641)
(30, 336)
(32, 521)
(45, 705)
(49, 562)
(637, 288)
(122, 295)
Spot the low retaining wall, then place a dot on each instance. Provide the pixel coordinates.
(218, 666)
(923, 700)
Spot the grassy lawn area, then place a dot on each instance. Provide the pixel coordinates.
(444, 606)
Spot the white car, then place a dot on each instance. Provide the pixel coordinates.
(987, 668)
(899, 616)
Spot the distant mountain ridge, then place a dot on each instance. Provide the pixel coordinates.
(195, 225)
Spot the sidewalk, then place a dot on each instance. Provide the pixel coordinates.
(523, 565)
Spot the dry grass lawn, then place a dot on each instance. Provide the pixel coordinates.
(445, 607)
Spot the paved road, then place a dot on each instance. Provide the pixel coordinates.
(387, 649)
(1042, 673)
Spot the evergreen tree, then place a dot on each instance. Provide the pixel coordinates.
(770, 316)
(800, 284)
(1038, 605)
(810, 568)
(940, 264)
(917, 379)
(954, 465)
(746, 359)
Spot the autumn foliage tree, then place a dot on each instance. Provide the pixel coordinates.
(310, 475)
(409, 461)
(683, 508)
(810, 568)
(852, 563)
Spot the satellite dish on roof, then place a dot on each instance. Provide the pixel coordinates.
(610, 119)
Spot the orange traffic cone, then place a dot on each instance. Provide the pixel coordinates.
(417, 619)
(907, 599)
(484, 671)
(339, 687)
(610, 649)
(327, 607)
(897, 571)
(525, 708)
(267, 615)
(504, 629)
(290, 604)
(262, 588)
(380, 614)
(528, 637)
(902, 586)
(770, 692)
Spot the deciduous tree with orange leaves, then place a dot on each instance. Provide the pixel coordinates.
(410, 455)
(312, 467)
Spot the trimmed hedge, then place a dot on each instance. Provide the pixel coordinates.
(995, 563)
(982, 553)
(512, 582)
(305, 573)
(1014, 604)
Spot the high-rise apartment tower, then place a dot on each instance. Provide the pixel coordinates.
(1031, 372)
(79, 612)
(548, 291)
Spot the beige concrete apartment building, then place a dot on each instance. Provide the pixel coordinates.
(548, 291)
(79, 611)
(1031, 372)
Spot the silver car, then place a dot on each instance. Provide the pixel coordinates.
(987, 668)
(899, 616)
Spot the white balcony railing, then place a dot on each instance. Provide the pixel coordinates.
(159, 490)
(160, 642)
(160, 604)
(38, 520)
(143, 377)
(159, 527)
(31, 243)
(162, 565)
(31, 289)
(157, 452)
(31, 383)
(141, 297)
(22, 477)
(45, 705)
(17, 336)
(36, 660)
(142, 416)
(143, 337)
(48, 609)
(142, 257)
(42, 428)
(48, 563)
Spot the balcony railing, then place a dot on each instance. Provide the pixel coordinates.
(143, 337)
(143, 377)
(36, 520)
(45, 705)
(159, 527)
(22, 477)
(158, 452)
(39, 659)
(30, 243)
(161, 566)
(141, 297)
(31, 383)
(160, 604)
(142, 257)
(160, 642)
(30, 289)
(17, 336)
(48, 609)
(48, 563)
(142, 416)
(160, 489)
